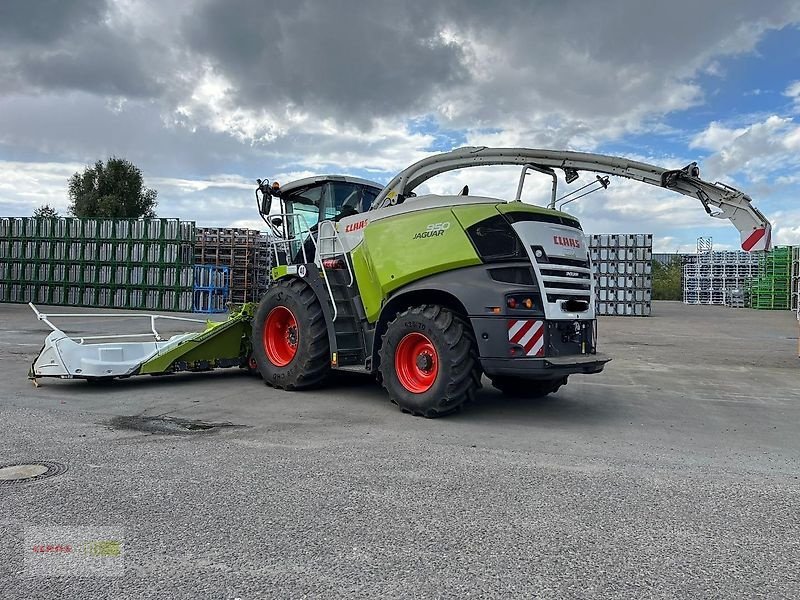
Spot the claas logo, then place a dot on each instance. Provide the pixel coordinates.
(356, 226)
(560, 240)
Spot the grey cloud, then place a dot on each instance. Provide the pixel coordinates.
(599, 61)
(101, 63)
(81, 127)
(66, 45)
(547, 73)
(45, 21)
(351, 60)
(516, 65)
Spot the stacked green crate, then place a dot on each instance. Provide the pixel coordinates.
(115, 263)
(771, 288)
(795, 278)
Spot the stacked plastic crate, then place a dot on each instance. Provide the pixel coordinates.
(119, 263)
(771, 288)
(719, 278)
(622, 267)
(243, 251)
(796, 278)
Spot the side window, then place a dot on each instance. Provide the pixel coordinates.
(368, 196)
(342, 196)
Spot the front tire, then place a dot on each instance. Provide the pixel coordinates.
(290, 338)
(429, 361)
(527, 388)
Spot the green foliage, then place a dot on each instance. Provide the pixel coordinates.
(667, 280)
(111, 190)
(45, 210)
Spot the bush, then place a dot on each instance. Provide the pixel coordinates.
(667, 280)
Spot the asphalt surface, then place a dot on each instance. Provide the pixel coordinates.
(673, 474)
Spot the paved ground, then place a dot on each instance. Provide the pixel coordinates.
(674, 474)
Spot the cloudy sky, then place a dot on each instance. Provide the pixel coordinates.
(205, 96)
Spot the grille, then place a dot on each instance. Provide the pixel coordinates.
(566, 279)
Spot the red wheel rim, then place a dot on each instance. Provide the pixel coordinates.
(416, 363)
(280, 336)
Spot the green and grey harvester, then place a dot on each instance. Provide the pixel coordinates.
(429, 293)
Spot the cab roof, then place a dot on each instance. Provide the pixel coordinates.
(306, 181)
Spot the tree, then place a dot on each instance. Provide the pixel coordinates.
(45, 210)
(667, 280)
(111, 190)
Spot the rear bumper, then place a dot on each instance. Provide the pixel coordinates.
(545, 368)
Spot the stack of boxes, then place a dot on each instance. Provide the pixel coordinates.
(622, 268)
(771, 288)
(243, 251)
(719, 278)
(119, 263)
(796, 278)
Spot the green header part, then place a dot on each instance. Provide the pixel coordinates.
(226, 340)
(408, 247)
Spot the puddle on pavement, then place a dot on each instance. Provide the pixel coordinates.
(167, 424)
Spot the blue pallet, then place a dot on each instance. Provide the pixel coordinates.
(211, 288)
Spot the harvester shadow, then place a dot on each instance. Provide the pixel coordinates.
(109, 386)
(566, 407)
(563, 408)
(338, 381)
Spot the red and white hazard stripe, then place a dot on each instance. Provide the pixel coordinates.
(759, 239)
(529, 334)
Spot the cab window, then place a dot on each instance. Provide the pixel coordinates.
(342, 197)
(367, 197)
(305, 203)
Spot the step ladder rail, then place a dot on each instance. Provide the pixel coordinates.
(320, 238)
(336, 247)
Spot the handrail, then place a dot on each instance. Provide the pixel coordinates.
(302, 232)
(320, 238)
(45, 318)
(336, 239)
(298, 237)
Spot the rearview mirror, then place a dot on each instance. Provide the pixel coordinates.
(277, 221)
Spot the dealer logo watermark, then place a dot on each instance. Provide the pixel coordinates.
(77, 551)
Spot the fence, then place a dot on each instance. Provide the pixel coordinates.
(622, 267)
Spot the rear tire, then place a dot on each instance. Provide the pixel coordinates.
(290, 338)
(429, 361)
(527, 388)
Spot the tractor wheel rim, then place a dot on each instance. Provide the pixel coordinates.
(280, 336)
(416, 363)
